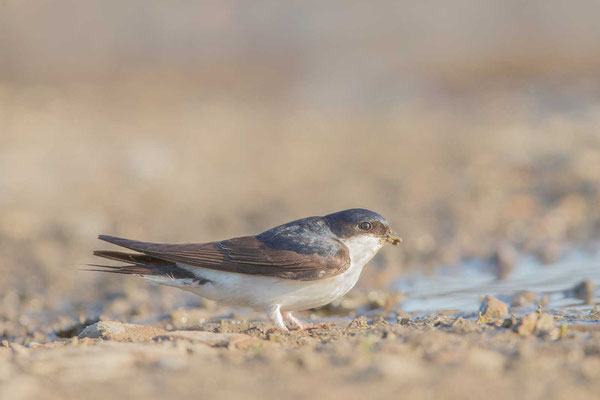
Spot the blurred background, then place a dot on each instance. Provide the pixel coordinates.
(471, 126)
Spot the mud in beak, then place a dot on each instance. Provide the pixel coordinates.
(393, 239)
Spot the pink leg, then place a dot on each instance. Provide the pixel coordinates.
(295, 321)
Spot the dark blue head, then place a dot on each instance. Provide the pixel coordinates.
(359, 221)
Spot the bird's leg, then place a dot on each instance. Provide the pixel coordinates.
(295, 321)
(274, 314)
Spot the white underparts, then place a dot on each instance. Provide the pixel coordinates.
(270, 293)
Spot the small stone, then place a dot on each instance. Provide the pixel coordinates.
(526, 325)
(493, 308)
(545, 323)
(584, 291)
(509, 322)
(537, 323)
(121, 332)
(360, 322)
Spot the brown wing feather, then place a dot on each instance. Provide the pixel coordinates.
(137, 259)
(246, 255)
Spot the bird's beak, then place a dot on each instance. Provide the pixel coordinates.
(393, 239)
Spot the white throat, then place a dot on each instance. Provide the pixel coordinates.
(362, 249)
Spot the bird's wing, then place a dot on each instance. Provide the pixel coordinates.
(248, 255)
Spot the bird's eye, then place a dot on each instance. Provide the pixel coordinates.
(365, 226)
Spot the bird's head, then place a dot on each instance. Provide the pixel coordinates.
(357, 222)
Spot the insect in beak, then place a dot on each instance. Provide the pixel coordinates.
(393, 238)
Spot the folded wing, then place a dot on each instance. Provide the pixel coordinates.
(246, 255)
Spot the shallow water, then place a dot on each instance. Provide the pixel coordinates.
(462, 288)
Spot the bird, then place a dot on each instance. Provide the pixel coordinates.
(303, 264)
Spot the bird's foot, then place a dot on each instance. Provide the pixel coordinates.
(274, 314)
(294, 321)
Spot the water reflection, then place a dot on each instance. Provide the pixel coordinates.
(529, 283)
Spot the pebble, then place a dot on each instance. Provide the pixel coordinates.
(585, 291)
(122, 332)
(118, 331)
(403, 319)
(535, 323)
(493, 308)
(360, 322)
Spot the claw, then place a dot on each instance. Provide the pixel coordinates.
(295, 321)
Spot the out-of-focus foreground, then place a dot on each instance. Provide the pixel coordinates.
(472, 127)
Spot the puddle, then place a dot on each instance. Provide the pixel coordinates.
(462, 288)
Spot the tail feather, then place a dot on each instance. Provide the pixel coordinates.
(168, 271)
(142, 264)
(137, 259)
(125, 269)
(122, 269)
(150, 267)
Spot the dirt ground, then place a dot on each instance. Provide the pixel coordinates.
(473, 130)
(426, 357)
(453, 197)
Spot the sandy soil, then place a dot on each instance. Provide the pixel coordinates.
(523, 188)
(381, 357)
(473, 130)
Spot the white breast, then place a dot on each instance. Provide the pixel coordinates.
(363, 248)
(261, 292)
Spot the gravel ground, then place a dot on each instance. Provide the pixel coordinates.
(450, 356)
(453, 197)
(190, 122)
